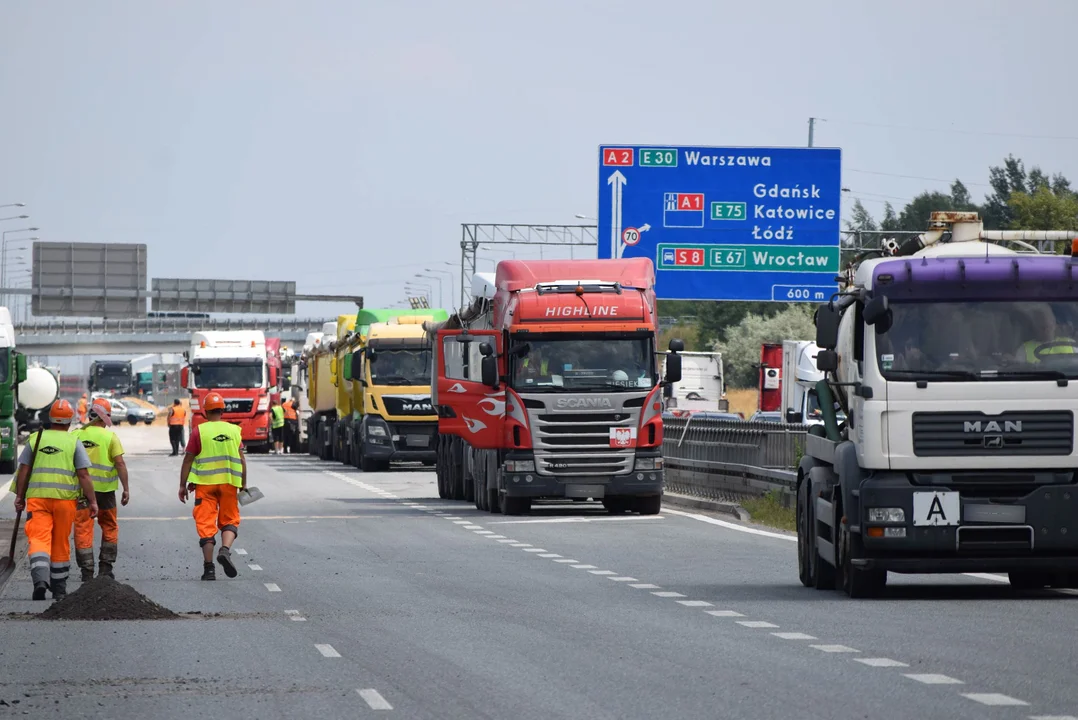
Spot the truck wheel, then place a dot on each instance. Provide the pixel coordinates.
(1029, 580)
(516, 505)
(858, 582)
(493, 501)
(823, 572)
(7, 467)
(804, 545)
(649, 505)
(481, 496)
(439, 468)
(469, 488)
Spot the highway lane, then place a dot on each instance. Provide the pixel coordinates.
(365, 594)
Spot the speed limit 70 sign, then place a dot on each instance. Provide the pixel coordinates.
(630, 236)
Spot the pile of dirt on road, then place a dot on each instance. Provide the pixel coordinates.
(105, 599)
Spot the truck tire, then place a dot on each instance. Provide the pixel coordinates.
(824, 573)
(858, 582)
(469, 486)
(516, 505)
(481, 496)
(7, 467)
(493, 501)
(648, 505)
(804, 545)
(456, 466)
(439, 467)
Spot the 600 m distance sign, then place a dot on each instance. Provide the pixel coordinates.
(725, 223)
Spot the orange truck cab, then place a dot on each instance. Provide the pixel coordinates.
(234, 364)
(547, 386)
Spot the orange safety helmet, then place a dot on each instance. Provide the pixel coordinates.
(102, 409)
(213, 401)
(61, 413)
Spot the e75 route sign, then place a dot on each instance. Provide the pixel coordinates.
(725, 223)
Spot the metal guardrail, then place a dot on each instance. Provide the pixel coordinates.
(162, 325)
(729, 460)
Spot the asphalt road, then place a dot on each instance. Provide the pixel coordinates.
(364, 594)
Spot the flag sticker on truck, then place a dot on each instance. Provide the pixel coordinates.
(622, 437)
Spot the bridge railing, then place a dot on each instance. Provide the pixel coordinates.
(730, 460)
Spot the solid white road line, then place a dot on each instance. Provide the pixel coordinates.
(834, 648)
(793, 636)
(272, 587)
(758, 624)
(731, 526)
(374, 699)
(328, 651)
(933, 679)
(993, 699)
(881, 662)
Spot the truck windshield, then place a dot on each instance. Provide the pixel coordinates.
(974, 341)
(113, 378)
(584, 362)
(239, 375)
(409, 366)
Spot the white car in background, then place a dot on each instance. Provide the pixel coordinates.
(131, 413)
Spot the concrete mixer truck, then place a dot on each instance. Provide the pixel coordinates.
(32, 391)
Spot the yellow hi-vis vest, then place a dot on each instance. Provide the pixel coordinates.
(543, 365)
(1032, 345)
(97, 441)
(219, 462)
(53, 475)
(278, 416)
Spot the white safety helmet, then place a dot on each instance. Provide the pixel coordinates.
(620, 376)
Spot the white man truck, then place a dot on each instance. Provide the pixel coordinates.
(701, 387)
(955, 360)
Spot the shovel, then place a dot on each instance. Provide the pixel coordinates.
(248, 496)
(8, 562)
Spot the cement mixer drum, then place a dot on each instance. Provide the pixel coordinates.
(39, 389)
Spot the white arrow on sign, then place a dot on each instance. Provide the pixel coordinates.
(617, 180)
(644, 228)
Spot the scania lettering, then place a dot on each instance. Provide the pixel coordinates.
(954, 357)
(547, 386)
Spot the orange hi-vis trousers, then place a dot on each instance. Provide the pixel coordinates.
(216, 508)
(110, 532)
(48, 528)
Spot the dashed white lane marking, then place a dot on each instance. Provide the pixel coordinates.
(328, 651)
(881, 662)
(254, 567)
(519, 544)
(933, 679)
(239, 551)
(534, 550)
(616, 518)
(452, 517)
(507, 540)
(462, 522)
(793, 636)
(1052, 717)
(294, 616)
(758, 624)
(623, 578)
(272, 587)
(989, 576)
(644, 586)
(724, 613)
(566, 560)
(550, 555)
(694, 603)
(602, 572)
(496, 537)
(667, 594)
(834, 648)
(483, 532)
(473, 527)
(993, 699)
(374, 699)
(585, 567)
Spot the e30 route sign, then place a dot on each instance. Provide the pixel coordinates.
(725, 223)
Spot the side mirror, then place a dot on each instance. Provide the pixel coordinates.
(792, 416)
(486, 350)
(464, 338)
(20, 368)
(185, 375)
(827, 361)
(673, 367)
(878, 313)
(522, 349)
(677, 345)
(827, 320)
(489, 366)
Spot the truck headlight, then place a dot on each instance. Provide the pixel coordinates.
(263, 404)
(376, 431)
(886, 515)
(5, 432)
(520, 466)
(649, 463)
(193, 404)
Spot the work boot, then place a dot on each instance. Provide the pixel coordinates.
(105, 570)
(59, 589)
(87, 575)
(107, 559)
(224, 556)
(208, 571)
(39, 590)
(85, 559)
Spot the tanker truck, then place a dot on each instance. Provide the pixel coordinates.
(952, 357)
(12, 373)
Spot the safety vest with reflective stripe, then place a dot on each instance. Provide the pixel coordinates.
(177, 416)
(278, 416)
(1032, 345)
(289, 411)
(97, 441)
(543, 365)
(53, 475)
(219, 461)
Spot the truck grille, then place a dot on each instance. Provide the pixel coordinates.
(577, 443)
(974, 433)
(413, 436)
(238, 405)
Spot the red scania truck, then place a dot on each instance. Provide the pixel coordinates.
(547, 386)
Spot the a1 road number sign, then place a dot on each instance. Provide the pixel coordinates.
(630, 236)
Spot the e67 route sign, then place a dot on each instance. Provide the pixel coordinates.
(725, 223)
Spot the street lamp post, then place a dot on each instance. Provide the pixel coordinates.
(445, 272)
(3, 249)
(420, 288)
(441, 297)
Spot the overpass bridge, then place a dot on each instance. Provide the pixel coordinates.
(136, 336)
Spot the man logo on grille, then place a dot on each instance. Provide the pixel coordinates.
(221, 438)
(50, 450)
(993, 442)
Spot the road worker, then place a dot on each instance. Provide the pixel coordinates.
(108, 471)
(82, 409)
(291, 425)
(277, 424)
(53, 479)
(216, 468)
(177, 418)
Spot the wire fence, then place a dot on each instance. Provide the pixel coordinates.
(730, 460)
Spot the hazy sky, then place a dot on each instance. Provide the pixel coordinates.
(341, 143)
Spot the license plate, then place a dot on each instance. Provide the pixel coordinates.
(418, 440)
(936, 508)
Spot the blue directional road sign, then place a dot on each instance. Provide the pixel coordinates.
(725, 223)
